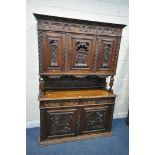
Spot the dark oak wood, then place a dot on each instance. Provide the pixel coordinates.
(75, 59)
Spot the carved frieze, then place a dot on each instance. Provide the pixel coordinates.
(78, 28)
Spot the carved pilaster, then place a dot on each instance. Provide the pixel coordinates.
(117, 53)
(96, 52)
(111, 84)
(66, 51)
(40, 45)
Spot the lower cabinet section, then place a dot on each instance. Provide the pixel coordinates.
(58, 123)
(64, 123)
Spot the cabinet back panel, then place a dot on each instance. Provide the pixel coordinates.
(71, 82)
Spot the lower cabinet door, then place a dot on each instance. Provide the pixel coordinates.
(96, 118)
(58, 123)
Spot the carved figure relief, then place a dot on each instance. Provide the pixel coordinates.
(95, 120)
(82, 49)
(53, 49)
(61, 123)
(106, 54)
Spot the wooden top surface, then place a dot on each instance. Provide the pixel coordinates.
(76, 73)
(75, 94)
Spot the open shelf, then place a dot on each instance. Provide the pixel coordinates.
(75, 94)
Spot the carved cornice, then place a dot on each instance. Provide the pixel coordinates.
(78, 28)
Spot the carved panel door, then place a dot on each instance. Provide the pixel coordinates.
(106, 55)
(82, 52)
(95, 118)
(53, 47)
(59, 122)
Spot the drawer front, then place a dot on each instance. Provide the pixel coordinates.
(97, 101)
(58, 123)
(58, 104)
(96, 118)
(76, 103)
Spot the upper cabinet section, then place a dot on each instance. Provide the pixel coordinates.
(70, 46)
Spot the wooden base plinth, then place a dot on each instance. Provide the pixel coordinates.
(76, 138)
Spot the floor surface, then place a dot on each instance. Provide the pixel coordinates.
(117, 144)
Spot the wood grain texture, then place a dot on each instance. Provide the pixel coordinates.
(75, 59)
(75, 94)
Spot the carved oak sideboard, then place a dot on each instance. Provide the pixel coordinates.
(75, 59)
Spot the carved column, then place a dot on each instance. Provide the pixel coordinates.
(41, 85)
(67, 53)
(111, 84)
(98, 43)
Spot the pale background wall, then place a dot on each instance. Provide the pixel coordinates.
(113, 11)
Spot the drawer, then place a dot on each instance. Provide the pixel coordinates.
(80, 102)
(97, 101)
(58, 104)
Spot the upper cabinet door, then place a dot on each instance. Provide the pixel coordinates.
(106, 55)
(82, 52)
(53, 47)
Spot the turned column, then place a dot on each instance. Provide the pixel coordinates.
(41, 85)
(111, 84)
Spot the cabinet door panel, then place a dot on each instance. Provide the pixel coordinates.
(53, 48)
(106, 56)
(82, 52)
(58, 123)
(95, 118)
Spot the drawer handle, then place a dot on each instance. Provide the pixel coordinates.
(61, 103)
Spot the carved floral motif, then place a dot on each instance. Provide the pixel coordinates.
(60, 123)
(95, 120)
(82, 49)
(53, 49)
(106, 54)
